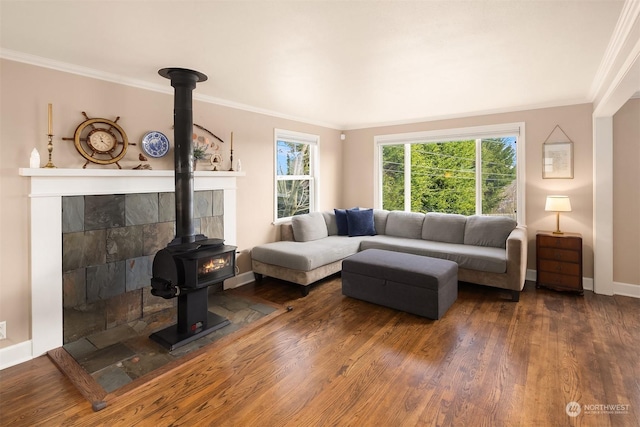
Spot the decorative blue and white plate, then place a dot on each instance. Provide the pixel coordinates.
(155, 144)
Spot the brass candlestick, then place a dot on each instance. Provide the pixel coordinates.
(50, 165)
(231, 153)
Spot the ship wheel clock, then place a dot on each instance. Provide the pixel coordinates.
(100, 141)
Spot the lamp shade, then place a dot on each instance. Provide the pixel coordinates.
(558, 204)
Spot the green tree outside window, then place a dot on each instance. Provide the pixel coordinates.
(443, 176)
(293, 178)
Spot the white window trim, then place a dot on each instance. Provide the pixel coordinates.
(314, 170)
(500, 130)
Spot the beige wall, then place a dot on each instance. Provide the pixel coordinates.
(576, 122)
(26, 90)
(626, 193)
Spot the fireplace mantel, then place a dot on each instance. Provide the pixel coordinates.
(72, 182)
(48, 186)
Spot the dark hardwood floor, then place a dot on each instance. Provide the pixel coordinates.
(333, 360)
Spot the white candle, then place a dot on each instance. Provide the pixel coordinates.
(50, 120)
(231, 141)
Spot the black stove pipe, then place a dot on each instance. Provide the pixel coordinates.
(176, 268)
(183, 82)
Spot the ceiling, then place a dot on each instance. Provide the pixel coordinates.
(342, 64)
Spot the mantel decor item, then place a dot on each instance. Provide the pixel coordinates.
(100, 141)
(34, 159)
(207, 131)
(557, 156)
(155, 144)
(216, 160)
(558, 204)
(199, 153)
(231, 153)
(50, 164)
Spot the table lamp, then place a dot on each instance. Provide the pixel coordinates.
(558, 204)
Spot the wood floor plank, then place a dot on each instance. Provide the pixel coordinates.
(334, 360)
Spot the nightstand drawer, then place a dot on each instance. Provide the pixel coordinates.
(571, 269)
(559, 280)
(559, 255)
(564, 243)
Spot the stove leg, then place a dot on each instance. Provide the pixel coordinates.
(192, 311)
(194, 321)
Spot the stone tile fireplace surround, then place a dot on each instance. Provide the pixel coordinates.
(108, 246)
(48, 188)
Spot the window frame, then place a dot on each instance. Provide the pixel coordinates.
(516, 129)
(314, 171)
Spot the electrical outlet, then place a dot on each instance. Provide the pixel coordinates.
(3, 330)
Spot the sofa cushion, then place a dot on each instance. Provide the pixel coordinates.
(380, 220)
(404, 224)
(330, 220)
(489, 231)
(309, 227)
(341, 221)
(441, 227)
(360, 222)
(479, 258)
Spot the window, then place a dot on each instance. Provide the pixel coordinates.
(466, 171)
(296, 179)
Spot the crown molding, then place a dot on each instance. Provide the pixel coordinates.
(39, 61)
(468, 114)
(65, 67)
(263, 111)
(628, 18)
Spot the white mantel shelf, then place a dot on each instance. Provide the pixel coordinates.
(48, 186)
(118, 172)
(68, 182)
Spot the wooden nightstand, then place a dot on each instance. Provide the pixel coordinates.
(559, 261)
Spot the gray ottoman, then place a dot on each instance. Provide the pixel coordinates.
(416, 284)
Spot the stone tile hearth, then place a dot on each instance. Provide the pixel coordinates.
(117, 356)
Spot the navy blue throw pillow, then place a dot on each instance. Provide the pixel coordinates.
(341, 221)
(360, 222)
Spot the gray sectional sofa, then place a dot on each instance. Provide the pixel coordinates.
(489, 250)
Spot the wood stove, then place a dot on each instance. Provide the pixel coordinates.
(190, 263)
(186, 271)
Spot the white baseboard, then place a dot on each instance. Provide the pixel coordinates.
(624, 289)
(531, 275)
(15, 354)
(587, 283)
(239, 280)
